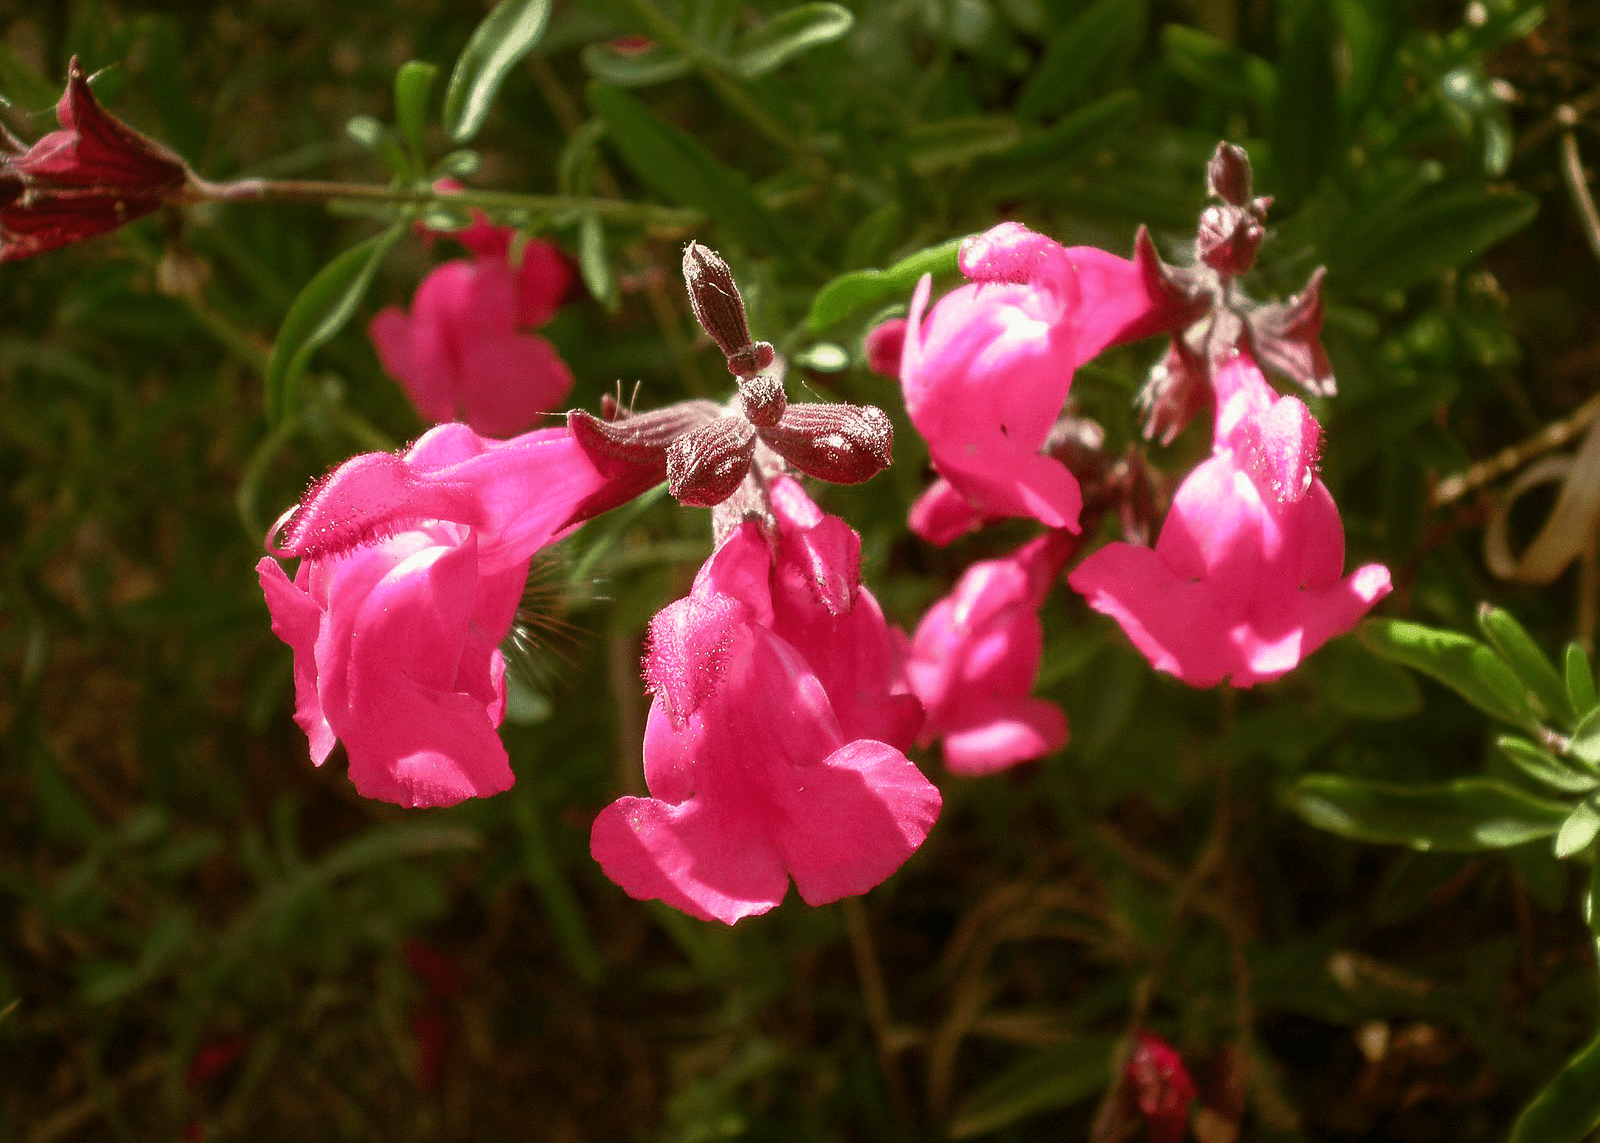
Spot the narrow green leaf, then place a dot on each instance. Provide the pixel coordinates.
(875, 235)
(1467, 814)
(1440, 229)
(1084, 57)
(1524, 657)
(853, 292)
(321, 310)
(506, 35)
(1568, 1109)
(1045, 1080)
(378, 139)
(676, 166)
(1071, 135)
(1578, 830)
(789, 33)
(931, 147)
(1458, 661)
(1543, 766)
(627, 68)
(412, 85)
(1580, 681)
(593, 265)
(1585, 742)
(1218, 67)
(1591, 901)
(1306, 135)
(1356, 681)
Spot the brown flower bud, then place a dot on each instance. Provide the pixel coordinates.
(843, 444)
(1228, 239)
(762, 399)
(620, 446)
(1228, 175)
(706, 465)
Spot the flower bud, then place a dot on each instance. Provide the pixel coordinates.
(1228, 175)
(843, 444)
(762, 399)
(1228, 238)
(706, 465)
(621, 445)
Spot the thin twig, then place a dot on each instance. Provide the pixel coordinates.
(1577, 184)
(876, 998)
(1509, 460)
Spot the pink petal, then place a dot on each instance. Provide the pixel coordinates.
(543, 279)
(1027, 731)
(295, 619)
(942, 515)
(509, 381)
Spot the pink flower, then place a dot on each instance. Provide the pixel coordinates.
(1155, 1077)
(1244, 581)
(414, 566)
(975, 657)
(885, 342)
(758, 772)
(93, 175)
(460, 354)
(986, 375)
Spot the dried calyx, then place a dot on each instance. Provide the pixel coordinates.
(1282, 336)
(705, 451)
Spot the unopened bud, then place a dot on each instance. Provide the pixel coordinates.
(842, 444)
(1228, 175)
(1228, 239)
(720, 310)
(762, 398)
(705, 466)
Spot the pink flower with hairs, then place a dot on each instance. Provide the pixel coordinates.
(1245, 579)
(987, 369)
(462, 353)
(975, 657)
(759, 758)
(411, 573)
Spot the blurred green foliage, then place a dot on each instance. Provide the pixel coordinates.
(175, 876)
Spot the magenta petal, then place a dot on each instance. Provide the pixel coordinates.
(409, 353)
(691, 642)
(696, 856)
(1029, 730)
(942, 515)
(543, 278)
(509, 381)
(295, 619)
(853, 820)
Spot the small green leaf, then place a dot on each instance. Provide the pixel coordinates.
(593, 265)
(875, 235)
(789, 33)
(1218, 67)
(1585, 742)
(822, 356)
(853, 292)
(1045, 1080)
(654, 64)
(1083, 57)
(1532, 666)
(412, 85)
(506, 35)
(1543, 766)
(321, 310)
(1071, 135)
(378, 139)
(1467, 814)
(1306, 134)
(1440, 229)
(677, 166)
(1568, 1109)
(1591, 901)
(1578, 830)
(1458, 661)
(931, 147)
(1580, 680)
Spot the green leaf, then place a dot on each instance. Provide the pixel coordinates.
(1219, 68)
(676, 166)
(654, 64)
(378, 139)
(1069, 136)
(1580, 681)
(1591, 901)
(1467, 814)
(1578, 830)
(412, 84)
(853, 292)
(1441, 228)
(931, 147)
(1568, 1109)
(321, 310)
(1307, 137)
(1045, 1080)
(1532, 666)
(789, 33)
(1357, 682)
(506, 35)
(1461, 663)
(1585, 742)
(1083, 57)
(1543, 766)
(593, 265)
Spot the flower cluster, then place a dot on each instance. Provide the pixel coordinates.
(783, 702)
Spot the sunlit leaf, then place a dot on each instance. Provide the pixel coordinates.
(506, 35)
(853, 292)
(790, 32)
(1460, 662)
(1467, 814)
(1568, 1109)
